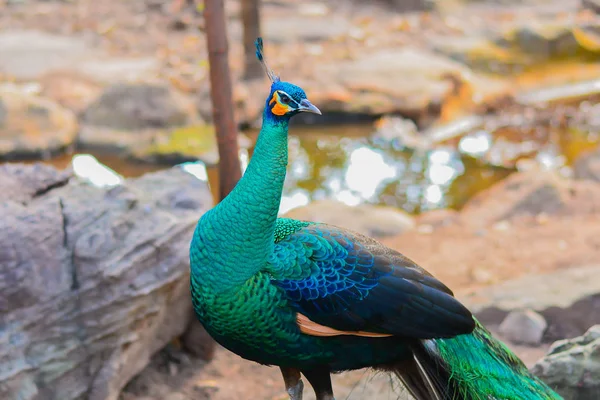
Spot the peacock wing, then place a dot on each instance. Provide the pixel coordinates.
(343, 281)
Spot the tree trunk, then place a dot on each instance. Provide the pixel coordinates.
(221, 94)
(251, 23)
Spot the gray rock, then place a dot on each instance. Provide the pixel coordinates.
(374, 221)
(531, 193)
(572, 366)
(33, 126)
(306, 29)
(29, 54)
(588, 167)
(593, 5)
(524, 327)
(568, 299)
(405, 80)
(92, 281)
(139, 106)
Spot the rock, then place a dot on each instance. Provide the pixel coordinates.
(148, 122)
(410, 5)
(531, 193)
(571, 93)
(139, 106)
(70, 89)
(593, 5)
(407, 79)
(110, 70)
(33, 126)
(28, 54)
(281, 30)
(398, 132)
(542, 40)
(588, 166)
(572, 366)
(523, 327)
(374, 221)
(178, 145)
(21, 183)
(92, 281)
(569, 300)
(481, 54)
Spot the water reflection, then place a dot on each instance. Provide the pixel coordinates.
(88, 168)
(350, 167)
(353, 166)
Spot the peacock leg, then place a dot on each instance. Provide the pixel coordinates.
(293, 382)
(320, 380)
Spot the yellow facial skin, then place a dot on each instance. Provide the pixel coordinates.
(279, 108)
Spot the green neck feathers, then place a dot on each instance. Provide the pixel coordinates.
(239, 232)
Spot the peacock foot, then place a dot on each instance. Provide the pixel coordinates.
(295, 391)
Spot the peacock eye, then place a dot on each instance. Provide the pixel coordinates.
(284, 98)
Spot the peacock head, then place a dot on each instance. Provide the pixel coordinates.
(285, 99)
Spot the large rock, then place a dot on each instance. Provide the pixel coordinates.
(532, 193)
(374, 221)
(588, 166)
(523, 326)
(572, 366)
(139, 106)
(148, 122)
(33, 126)
(569, 300)
(30, 54)
(304, 28)
(92, 281)
(406, 80)
(27, 54)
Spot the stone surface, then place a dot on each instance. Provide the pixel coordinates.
(92, 281)
(70, 89)
(374, 221)
(406, 80)
(569, 300)
(305, 28)
(27, 54)
(572, 366)
(148, 122)
(523, 327)
(139, 106)
(588, 166)
(531, 193)
(33, 126)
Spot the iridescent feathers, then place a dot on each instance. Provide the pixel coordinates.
(260, 55)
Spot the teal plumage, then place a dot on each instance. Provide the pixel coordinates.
(317, 299)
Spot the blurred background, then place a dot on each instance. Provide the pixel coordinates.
(463, 133)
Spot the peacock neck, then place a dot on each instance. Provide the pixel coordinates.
(244, 222)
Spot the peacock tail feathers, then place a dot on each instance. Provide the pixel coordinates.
(481, 367)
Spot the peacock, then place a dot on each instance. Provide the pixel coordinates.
(315, 299)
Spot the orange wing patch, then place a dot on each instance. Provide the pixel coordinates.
(312, 328)
(278, 108)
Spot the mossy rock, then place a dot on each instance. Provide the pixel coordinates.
(552, 41)
(32, 126)
(190, 143)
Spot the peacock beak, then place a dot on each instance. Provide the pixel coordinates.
(307, 106)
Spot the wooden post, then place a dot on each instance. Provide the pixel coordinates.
(221, 95)
(251, 24)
